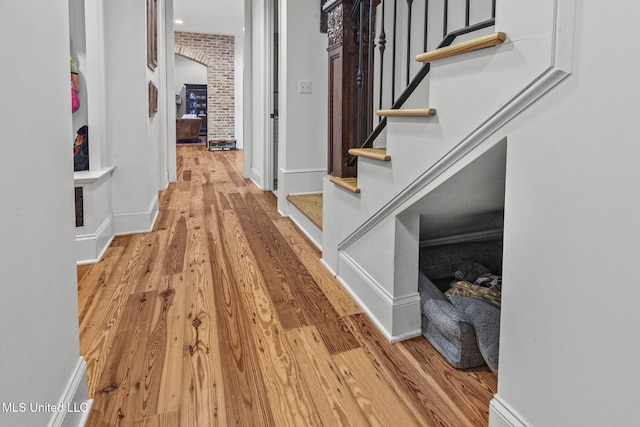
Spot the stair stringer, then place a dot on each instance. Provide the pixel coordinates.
(360, 231)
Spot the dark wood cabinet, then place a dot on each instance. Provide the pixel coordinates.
(196, 103)
(349, 122)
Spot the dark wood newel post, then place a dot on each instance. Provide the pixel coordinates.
(344, 59)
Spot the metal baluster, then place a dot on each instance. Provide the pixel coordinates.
(446, 18)
(359, 74)
(370, 39)
(393, 62)
(382, 42)
(409, 4)
(467, 12)
(426, 24)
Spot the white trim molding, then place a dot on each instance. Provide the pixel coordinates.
(91, 247)
(136, 222)
(397, 318)
(74, 399)
(92, 176)
(463, 238)
(503, 415)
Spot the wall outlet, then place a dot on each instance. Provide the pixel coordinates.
(304, 86)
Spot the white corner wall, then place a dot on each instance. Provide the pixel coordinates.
(569, 338)
(247, 89)
(239, 90)
(302, 147)
(138, 142)
(39, 356)
(257, 152)
(189, 71)
(168, 145)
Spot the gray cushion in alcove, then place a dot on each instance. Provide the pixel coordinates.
(486, 323)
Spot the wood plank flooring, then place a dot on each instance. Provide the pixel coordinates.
(223, 316)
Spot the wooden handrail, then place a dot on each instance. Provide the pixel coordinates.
(409, 112)
(464, 47)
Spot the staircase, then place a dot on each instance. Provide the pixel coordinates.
(450, 118)
(380, 154)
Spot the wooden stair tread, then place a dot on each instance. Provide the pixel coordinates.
(409, 112)
(371, 153)
(310, 205)
(350, 184)
(464, 47)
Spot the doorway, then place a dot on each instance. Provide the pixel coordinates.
(275, 76)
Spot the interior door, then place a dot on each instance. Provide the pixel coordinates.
(274, 59)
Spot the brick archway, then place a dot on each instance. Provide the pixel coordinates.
(217, 53)
(193, 54)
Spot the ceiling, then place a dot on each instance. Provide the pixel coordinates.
(223, 17)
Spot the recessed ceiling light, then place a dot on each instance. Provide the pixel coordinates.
(179, 21)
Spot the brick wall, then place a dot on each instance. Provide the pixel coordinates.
(217, 53)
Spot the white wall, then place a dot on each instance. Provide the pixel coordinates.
(302, 147)
(38, 308)
(247, 88)
(170, 146)
(256, 164)
(570, 342)
(189, 72)
(134, 137)
(78, 51)
(239, 90)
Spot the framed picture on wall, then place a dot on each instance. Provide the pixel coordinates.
(152, 34)
(153, 99)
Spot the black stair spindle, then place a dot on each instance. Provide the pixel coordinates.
(409, 7)
(393, 54)
(445, 22)
(382, 43)
(359, 74)
(467, 12)
(426, 24)
(365, 136)
(371, 46)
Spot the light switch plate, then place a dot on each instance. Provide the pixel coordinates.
(304, 86)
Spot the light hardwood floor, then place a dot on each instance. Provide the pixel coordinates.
(223, 316)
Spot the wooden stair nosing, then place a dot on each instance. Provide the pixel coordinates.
(464, 47)
(409, 112)
(349, 184)
(371, 153)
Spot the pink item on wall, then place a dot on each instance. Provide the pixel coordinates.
(75, 101)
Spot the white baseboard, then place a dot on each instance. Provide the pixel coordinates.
(503, 415)
(74, 400)
(397, 318)
(256, 177)
(91, 247)
(136, 222)
(328, 267)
